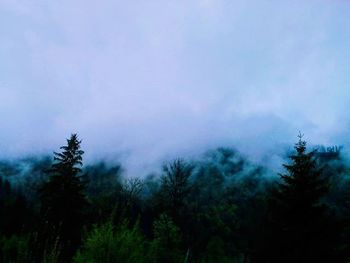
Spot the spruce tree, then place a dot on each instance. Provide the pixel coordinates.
(301, 227)
(63, 201)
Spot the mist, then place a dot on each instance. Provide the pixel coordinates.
(146, 81)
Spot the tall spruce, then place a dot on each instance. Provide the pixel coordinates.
(301, 228)
(63, 201)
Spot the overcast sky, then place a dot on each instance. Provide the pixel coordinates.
(158, 79)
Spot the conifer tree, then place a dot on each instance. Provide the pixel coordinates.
(301, 228)
(63, 200)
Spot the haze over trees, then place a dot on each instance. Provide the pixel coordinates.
(221, 208)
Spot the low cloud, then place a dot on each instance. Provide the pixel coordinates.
(150, 80)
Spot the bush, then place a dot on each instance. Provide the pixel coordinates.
(15, 249)
(107, 244)
(166, 246)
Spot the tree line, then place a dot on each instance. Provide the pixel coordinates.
(220, 209)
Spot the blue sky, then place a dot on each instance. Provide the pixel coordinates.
(157, 79)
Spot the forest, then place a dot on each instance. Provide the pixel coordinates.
(219, 208)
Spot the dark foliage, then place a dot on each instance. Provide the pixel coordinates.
(63, 201)
(301, 228)
(221, 208)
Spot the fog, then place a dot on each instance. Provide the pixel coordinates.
(146, 81)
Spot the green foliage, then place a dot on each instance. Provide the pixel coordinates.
(219, 209)
(107, 244)
(15, 249)
(216, 252)
(166, 245)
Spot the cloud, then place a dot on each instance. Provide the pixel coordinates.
(156, 79)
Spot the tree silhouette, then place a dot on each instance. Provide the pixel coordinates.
(63, 200)
(175, 186)
(301, 229)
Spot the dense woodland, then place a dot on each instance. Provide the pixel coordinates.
(220, 208)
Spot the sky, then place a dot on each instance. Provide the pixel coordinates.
(145, 81)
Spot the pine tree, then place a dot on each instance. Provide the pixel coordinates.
(63, 200)
(301, 228)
